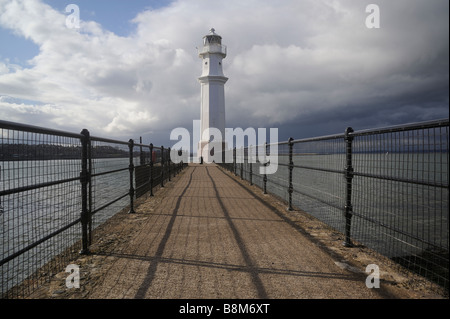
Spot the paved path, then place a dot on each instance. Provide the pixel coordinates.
(211, 237)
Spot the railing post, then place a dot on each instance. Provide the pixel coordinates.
(177, 165)
(242, 163)
(141, 154)
(348, 189)
(250, 163)
(265, 165)
(291, 167)
(1, 207)
(90, 169)
(265, 181)
(131, 169)
(162, 166)
(84, 179)
(234, 161)
(168, 162)
(151, 169)
(180, 164)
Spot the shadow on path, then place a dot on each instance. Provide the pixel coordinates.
(140, 294)
(248, 260)
(250, 265)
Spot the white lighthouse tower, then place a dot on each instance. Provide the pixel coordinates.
(212, 114)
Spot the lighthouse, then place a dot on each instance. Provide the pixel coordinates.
(212, 109)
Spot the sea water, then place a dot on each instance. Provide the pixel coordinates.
(397, 210)
(31, 215)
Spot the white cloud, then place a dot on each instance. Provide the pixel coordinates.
(3, 68)
(287, 61)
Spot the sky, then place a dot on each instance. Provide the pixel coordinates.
(307, 67)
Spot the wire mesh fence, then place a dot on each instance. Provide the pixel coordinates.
(385, 188)
(51, 183)
(38, 202)
(400, 196)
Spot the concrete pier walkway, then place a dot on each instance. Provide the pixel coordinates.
(208, 235)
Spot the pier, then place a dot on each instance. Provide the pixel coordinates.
(130, 221)
(208, 234)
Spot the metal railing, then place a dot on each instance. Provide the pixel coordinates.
(213, 48)
(384, 188)
(56, 187)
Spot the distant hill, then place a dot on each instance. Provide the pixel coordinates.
(21, 152)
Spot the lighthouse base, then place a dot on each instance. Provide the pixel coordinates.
(211, 152)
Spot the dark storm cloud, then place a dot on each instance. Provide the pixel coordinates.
(307, 67)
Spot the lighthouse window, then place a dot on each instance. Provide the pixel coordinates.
(220, 63)
(206, 63)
